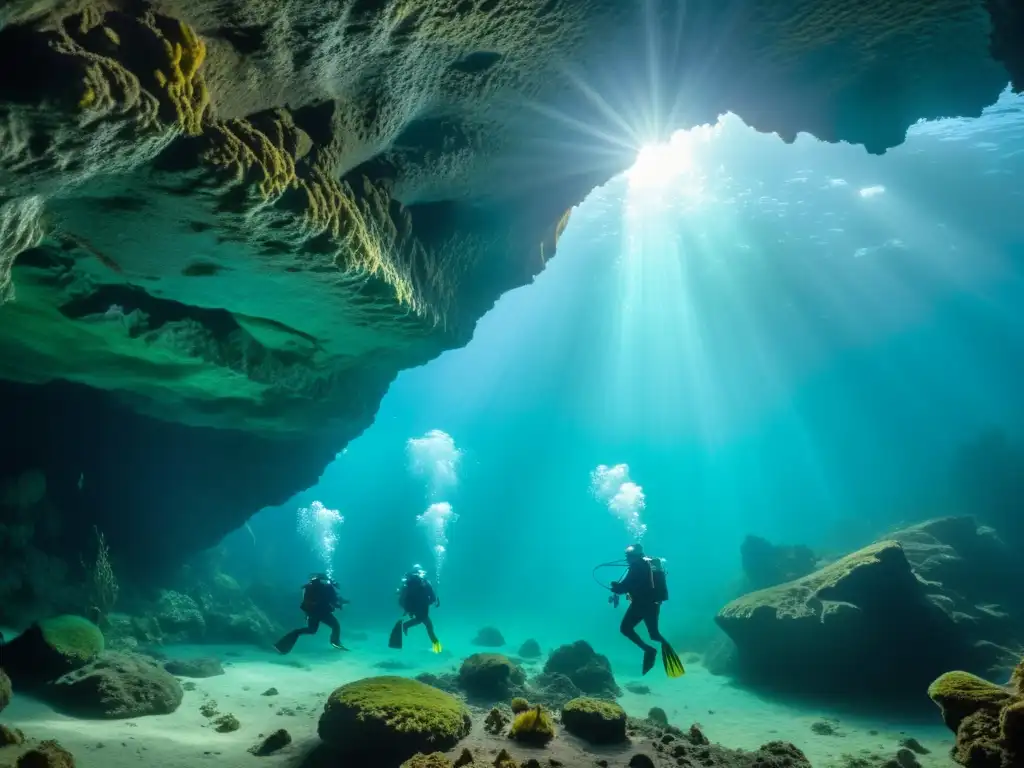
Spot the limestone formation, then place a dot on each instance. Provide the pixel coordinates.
(226, 227)
(868, 609)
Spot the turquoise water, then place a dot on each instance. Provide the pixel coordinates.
(791, 341)
(740, 337)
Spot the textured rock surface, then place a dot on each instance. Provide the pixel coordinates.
(117, 685)
(868, 609)
(391, 718)
(5, 690)
(250, 216)
(988, 719)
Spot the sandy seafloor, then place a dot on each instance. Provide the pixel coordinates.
(729, 715)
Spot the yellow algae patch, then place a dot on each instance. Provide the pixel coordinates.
(271, 154)
(363, 229)
(182, 82)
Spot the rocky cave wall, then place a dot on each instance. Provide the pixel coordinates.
(226, 227)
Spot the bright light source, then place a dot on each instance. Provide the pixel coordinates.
(874, 191)
(657, 166)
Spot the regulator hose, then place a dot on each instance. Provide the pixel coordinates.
(613, 564)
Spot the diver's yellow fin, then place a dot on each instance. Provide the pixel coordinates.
(673, 666)
(436, 647)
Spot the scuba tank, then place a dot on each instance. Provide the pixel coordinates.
(659, 578)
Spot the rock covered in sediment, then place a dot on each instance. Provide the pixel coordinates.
(6, 692)
(48, 754)
(275, 742)
(974, 577)
(202, 667)
(116, 686)
(589, 671)
(868, 609)
(530, 649)
(490, 676)
(489, 637)
(51, 648)
(11, 737)
(766, 564)
(391, 719)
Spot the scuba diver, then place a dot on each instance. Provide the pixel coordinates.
(646, 587)
(415, 596)
(319, 601)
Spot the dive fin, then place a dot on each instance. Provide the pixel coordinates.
(673, 666)
(395, 640)
(436, 646)
(650, 656)
(286, 643)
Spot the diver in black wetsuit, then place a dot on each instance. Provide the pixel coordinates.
(319, 601)
(646, 588)
(416, 596)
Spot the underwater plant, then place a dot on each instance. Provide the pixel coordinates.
(534, 727)
(103, 584)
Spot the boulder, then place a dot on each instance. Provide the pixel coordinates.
(5, 690)
(988, 719)
(490, 676)
(390, 719)
(868, 610)
(180, 618)
(530, 649)
(48, 754)
(205, 666)
(51, 648)
(766, 564)
(588, 670)
(11, 737)
(594, 720)
(489, 637)
(114, 686)
(275, 742)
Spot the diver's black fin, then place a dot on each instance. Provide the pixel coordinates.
(650, 656)
(673, 666)
(395, 641)
(286, 643)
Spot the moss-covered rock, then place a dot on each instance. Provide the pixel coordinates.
(533, 727)
(489, 637)
(988, 720)
(433, 760)
(596, 721)
(49, 754)
(11, 737)
(51, 648)
(5, 690)
(392, 718)
(657, 715)
(530, 649)
(116, 686)
(960, 694)
(589, 671)
(519, 704)
(490, 676)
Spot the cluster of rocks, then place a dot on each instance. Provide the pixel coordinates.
(389, 721)
(64, 661)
